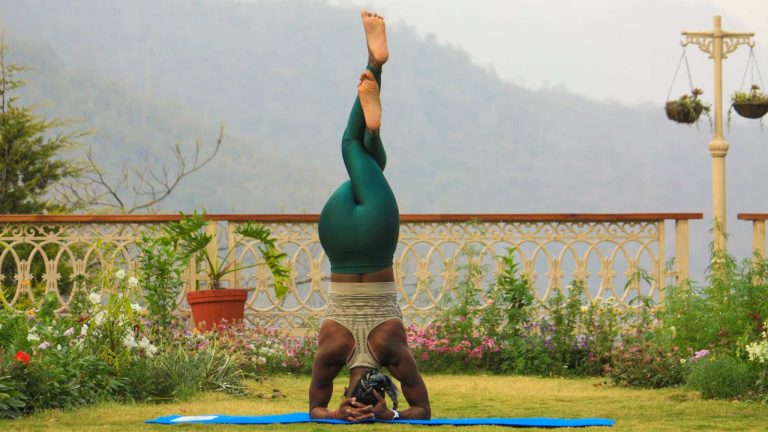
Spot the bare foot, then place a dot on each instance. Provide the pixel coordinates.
(368, 90)
(376, 38)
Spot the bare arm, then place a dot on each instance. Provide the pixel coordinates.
(406, 371)
(334, 342)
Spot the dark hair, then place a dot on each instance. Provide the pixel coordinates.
(373, 380)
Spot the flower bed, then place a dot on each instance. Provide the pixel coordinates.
(114, 346)
(110, 349)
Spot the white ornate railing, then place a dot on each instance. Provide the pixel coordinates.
(604, 250)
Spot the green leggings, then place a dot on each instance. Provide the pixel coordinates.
(360, 222)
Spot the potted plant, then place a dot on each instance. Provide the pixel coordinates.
(752, 104)
(214, 304)
(687, 108)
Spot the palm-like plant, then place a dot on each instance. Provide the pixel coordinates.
(191, 240)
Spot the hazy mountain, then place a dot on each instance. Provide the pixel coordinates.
(282, 76)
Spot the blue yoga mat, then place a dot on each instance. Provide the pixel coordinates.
(304, 418)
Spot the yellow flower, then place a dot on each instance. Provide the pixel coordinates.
(31, 313)
(26, 283)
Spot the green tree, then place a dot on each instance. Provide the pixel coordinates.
(31, 149)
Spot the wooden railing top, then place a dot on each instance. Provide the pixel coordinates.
(753, 216)
(463, 217)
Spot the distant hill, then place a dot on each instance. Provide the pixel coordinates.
(282, 75)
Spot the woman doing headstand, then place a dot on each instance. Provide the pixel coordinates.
(359, 226)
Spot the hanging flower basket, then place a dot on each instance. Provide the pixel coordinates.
(687, 108)
(751, 110)
(752, 105)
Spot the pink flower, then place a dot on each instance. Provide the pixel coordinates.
(424, 356)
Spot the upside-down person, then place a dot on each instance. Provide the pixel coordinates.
(359, 225)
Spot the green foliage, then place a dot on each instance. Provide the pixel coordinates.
(564, 314)
(753, 96)
(510, 301)
(188, 237)
(502, 335)
(160, 277)
(722, 314)
(721, 377)
(67, 378)
(31, 152)
(12, 399)
(177, 373)
(461, 306)
(644, 363)
(13, 330)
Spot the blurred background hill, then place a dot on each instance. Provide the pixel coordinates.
(281, 77)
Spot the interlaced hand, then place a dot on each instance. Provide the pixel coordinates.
(352, 410)
(380, 410)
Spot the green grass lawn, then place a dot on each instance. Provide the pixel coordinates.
(451, 396)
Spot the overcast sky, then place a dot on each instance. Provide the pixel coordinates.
(624, 50)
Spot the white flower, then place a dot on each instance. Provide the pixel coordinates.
(129, 341)
(137, 308)
(144, 343)
(120, 274)
(43, 345)
(99, 318)
(151, 350)
(133, 281)
(94, 298)
(69, 332)
(758, 351)
(58, 347)
(261, 360)
(84, 330)
(32, 337)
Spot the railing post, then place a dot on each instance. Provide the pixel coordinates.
(233, 279)
(681, 249)
(661, 276)
(758, 237)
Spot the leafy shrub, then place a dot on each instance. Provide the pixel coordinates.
(720, 315)
(722, 377)
(501, 335)
(645, 364)
(66, 379)
(12, 399)
(160, 271)
(510, 302)
(757, 354)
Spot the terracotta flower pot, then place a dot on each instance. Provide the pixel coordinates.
(210, 307)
